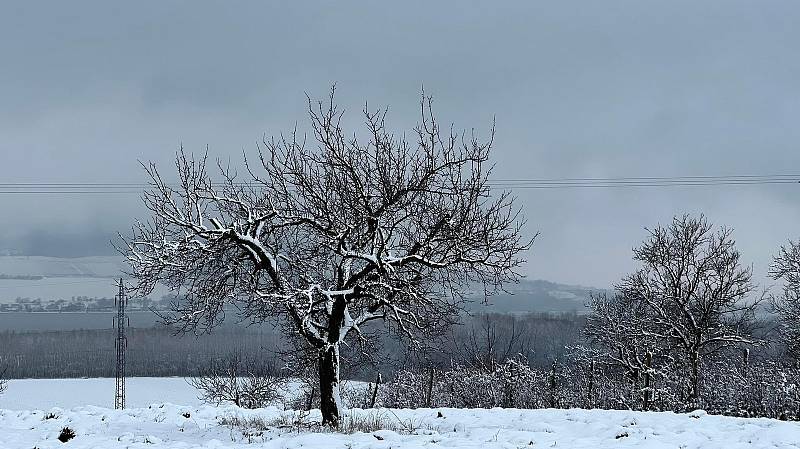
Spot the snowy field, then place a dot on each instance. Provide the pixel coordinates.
(172, 426)
(42, 394)
(160, 424)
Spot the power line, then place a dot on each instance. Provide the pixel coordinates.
(95, 188)
(704, 178)
(644, 181)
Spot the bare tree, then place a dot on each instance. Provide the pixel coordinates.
(618, 326)
(694, 292)
(239, 379)
(498, 339)
(786, 267)
(330, 236)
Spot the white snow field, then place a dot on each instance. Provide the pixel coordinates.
(154, 422)
(32, 394)
(178, 427)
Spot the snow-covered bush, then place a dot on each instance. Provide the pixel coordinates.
(763, 389)
(406, 390)
(510, 384)
(356, 394)
(239, 379)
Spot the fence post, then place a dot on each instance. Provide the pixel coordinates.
(378, 381)
(429, 396)
(310, 402)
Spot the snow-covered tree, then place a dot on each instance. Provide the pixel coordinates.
(617, 326)
(786, 267)
(695, 294)
(617, 331)
(333, 235)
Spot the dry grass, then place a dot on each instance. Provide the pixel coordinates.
(299, 421)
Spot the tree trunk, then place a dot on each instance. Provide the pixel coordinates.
(648, 391)
(378, 382)
(590, 392)
(329, 398)
(553, 387)
(695, 393)
(429, 396)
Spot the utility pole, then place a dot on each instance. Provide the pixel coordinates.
(121, 343)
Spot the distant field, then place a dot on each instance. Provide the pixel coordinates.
(56, 288)
(43, 394)
(52, 278)
(50, 288)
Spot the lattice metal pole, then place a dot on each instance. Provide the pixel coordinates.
(121, 343)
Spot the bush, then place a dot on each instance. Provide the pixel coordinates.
(353, 421)
(243, 381)
(510, 384)
(66, 434)
(764, 389)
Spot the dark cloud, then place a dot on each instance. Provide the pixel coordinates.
(618, 88)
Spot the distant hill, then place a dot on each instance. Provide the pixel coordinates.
(27, 276)
(536, 296)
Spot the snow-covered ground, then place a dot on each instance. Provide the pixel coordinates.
(31, 394)
(153, 422)
(172, 426)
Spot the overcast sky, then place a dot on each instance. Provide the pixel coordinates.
(579, 89)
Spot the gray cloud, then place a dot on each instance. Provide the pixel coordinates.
(626, 88)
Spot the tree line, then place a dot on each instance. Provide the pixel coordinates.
(159, 352)
(151, 352)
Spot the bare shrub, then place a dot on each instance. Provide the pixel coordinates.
(66, 434)
(354, 421)
(241, 380)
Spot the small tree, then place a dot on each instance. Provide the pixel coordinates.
(332, 236)
(618, 325)
(693, 293)
(499, 339)
(786, 267)
(240, 379)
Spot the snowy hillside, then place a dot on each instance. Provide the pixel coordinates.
(94, 266)
(173, 426)
(536, 296)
